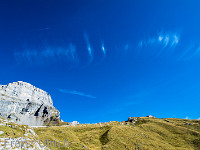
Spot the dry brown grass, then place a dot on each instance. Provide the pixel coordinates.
(149, 133)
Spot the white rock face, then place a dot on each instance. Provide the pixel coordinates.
(26, 104)
(22, 91)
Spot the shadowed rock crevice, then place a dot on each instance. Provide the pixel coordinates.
(37, 112)
(45, 112)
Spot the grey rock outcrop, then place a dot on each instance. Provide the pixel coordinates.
(26, 104)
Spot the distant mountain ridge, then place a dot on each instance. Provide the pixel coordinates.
(25, 104)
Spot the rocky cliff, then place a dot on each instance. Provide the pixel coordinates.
(26, 104)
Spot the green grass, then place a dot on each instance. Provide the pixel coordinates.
(12, 131)
(145, 134)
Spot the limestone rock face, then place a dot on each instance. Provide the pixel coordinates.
(26, 104)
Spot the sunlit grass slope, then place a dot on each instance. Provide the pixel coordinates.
(145, 133)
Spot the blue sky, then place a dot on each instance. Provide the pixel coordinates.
(105, 60)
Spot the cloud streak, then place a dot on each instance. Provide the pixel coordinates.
(166, 43)
(60, 54)
(103, 49)
(49, 53)
(164, 40)
(184, 54)
(195, 53)
(77, 93)
(90, 50)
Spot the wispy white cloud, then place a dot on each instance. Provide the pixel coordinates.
(44, 28)
(103, 49)
(57, 54)
(160, 39)
(76, 93)
(184, 54)
(166, 40)
(126, 47)
(49, 53)
(195, 53)
(140, 44)
(72, 52)
(89, 48)
(175, 40)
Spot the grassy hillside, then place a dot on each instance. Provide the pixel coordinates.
(145, 133)
(138, 133)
